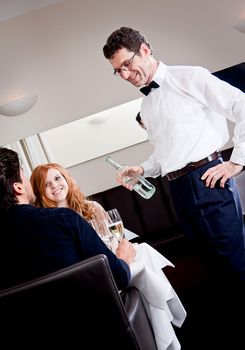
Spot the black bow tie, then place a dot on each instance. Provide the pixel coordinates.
(147, 89)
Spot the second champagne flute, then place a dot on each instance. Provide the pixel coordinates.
(115, 224)
(101, 227)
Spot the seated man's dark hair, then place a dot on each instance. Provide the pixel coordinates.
(9, 174)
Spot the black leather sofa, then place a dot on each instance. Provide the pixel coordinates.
(78, 307)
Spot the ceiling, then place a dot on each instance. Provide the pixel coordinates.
(53, 49)
(13, 8)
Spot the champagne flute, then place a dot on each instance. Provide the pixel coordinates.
(115, 224)
(101, 227)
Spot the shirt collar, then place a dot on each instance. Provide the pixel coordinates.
(160, 73)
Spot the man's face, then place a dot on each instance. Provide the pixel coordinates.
(140, 70)
(27, 188)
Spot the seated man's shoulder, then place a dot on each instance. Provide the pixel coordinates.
(51, 213)
(59, 212)
(47, 215)
(65, 213)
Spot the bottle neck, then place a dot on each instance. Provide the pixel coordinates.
(113, 163)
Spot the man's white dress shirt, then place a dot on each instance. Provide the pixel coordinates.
(186, 118)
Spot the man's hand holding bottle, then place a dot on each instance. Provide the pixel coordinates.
(131, 178)
(129, 172)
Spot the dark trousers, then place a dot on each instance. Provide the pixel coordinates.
(212, 217)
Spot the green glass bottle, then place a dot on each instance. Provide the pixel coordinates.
(139, 184)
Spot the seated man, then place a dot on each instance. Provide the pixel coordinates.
(37, 241)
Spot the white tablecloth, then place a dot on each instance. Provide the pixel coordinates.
(162, 303)
(129, 234)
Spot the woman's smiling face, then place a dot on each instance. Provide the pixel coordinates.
(56, 187)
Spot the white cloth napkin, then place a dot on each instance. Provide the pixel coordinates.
(161, 301)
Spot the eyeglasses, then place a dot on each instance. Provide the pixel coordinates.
(125, 66)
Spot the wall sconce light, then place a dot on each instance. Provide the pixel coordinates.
(240, 26)
(18, 106)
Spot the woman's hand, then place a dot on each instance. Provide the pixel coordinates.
(126, 251)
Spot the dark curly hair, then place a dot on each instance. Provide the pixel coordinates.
(9, 174)
(126, 37)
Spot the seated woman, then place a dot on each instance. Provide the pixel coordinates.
(53, 186)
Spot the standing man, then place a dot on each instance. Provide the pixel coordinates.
(37, 241)
(184, 111)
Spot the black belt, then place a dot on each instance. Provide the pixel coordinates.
(192, 166)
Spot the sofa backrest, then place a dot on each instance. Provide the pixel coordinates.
(75, 307)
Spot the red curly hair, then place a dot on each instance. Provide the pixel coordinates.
(76, 200)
